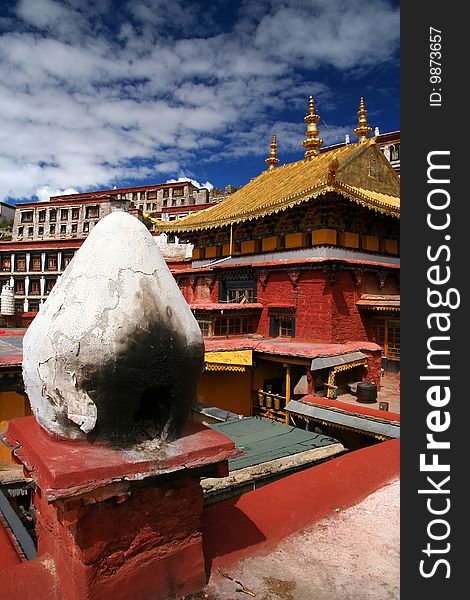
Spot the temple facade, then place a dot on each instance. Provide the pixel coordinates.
(300, 264)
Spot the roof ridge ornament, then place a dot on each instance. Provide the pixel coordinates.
(312, 141)
(332, 168)
(272, 161)
(363, 129)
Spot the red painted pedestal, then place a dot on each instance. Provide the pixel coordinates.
(121, 524)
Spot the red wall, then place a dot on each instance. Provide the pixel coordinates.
(325, 312)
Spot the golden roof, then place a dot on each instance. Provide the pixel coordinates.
(358, 171)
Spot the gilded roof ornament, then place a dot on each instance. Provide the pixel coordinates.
(332, 168)
(312, 141)
(363, 129)
(272, 161)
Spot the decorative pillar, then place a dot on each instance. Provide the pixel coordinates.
(12, 262)
(28, 261)
(59, 261)
(331, 381)
(26, 286)
(288, 380)
(43, 261)
(42, 285)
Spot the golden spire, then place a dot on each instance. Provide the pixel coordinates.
(272, 161)
(363, 129)
(312, 142)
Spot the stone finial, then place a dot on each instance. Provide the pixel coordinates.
(115, 353)
(363, 129)
(312, 141)
(272, 161)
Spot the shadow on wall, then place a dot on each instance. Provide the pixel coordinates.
(238, 532)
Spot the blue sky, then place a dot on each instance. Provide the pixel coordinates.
(102, 93)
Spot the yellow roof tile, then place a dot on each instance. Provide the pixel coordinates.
(287, 186)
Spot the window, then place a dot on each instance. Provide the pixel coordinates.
(173, 202)
(63, 229)
(178, 192)
(35, 287)
(33, 306)
(49, 285)
(206, 327)
(19, 287)
(386, 333)
(53, 215)
(41, 230)
(170, 238)
(86, 227)
(20, 231)
(395, 152)
(30, 232)
(75, 212)
(238, 291)
(51, 229)
(6, 263)
(21, 262)
(241, 295)
(286, 327)
(233, 326)
(166, 193)
(282, 326)
(64, 214)
(67, 259)
(41, 216)
(74, 227)
(165, 203)
(92, 212)
(19, 307)
(51, 262)
(36, 262)
(27, 216)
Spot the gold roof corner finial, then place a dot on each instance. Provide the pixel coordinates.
(272, 161)
(363, 129)
(312, 141)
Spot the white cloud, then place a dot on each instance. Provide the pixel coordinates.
(89, 98)
(45, 192)
(208, 185)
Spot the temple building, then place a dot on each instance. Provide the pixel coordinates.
(295, 278)
(46, 235)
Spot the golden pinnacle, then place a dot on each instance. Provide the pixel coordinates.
(272, 161)
(363, 129)
(312, 141)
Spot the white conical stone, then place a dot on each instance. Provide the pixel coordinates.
(115, 352)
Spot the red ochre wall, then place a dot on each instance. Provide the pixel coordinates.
(314, 309)
(227, 390)
(348, 321)
(325, 313)
(313, 305)
(257, 521)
